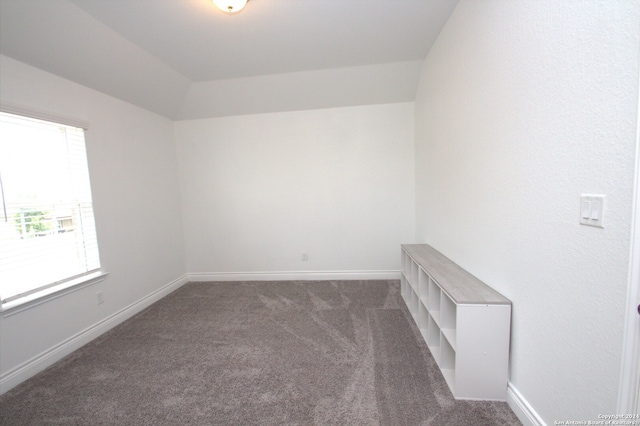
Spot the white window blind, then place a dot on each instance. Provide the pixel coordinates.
(47, 229)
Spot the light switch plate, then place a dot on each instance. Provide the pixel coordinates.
(592, 210)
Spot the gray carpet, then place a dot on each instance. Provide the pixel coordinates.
(254, 353)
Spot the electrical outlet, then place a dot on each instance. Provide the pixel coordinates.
(305, 257)
(100, 297)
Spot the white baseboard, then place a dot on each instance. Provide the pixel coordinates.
(521, 407)
(294, 276)
(52, 355)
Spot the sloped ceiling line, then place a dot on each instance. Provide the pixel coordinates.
(186, 60)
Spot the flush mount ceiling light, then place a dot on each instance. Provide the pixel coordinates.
(230, 6)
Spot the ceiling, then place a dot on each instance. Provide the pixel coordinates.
(185, 59)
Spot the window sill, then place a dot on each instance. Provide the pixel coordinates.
(44, 296)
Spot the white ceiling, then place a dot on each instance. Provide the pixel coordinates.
(185, 59)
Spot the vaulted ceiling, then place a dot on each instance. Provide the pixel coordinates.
(185, 59)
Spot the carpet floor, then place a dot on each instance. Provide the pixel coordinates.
(254, 353)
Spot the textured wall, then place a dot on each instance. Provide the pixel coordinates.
(523, 106)
(258, 190)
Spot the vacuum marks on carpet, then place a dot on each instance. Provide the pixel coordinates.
(254, 353)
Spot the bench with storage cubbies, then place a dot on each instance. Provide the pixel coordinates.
(465, 323)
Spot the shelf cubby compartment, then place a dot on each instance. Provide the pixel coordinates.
(448, 363)
(434, 299)
(433, 338)
(404, 289)
(413, 279)
(423, 320)
(413, 302)
(448, 319)
(423, 286)
(465, 323)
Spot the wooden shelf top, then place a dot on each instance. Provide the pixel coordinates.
(460, 285)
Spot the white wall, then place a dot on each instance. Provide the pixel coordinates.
(304, 90)
(259, 190)
(132, 163)
(522, 106)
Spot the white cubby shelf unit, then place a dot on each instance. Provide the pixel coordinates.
(465, 323)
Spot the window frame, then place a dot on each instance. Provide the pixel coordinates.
(68, 285)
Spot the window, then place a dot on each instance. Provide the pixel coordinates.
(47, 230)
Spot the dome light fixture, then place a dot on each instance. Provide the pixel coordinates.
(230, 6)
